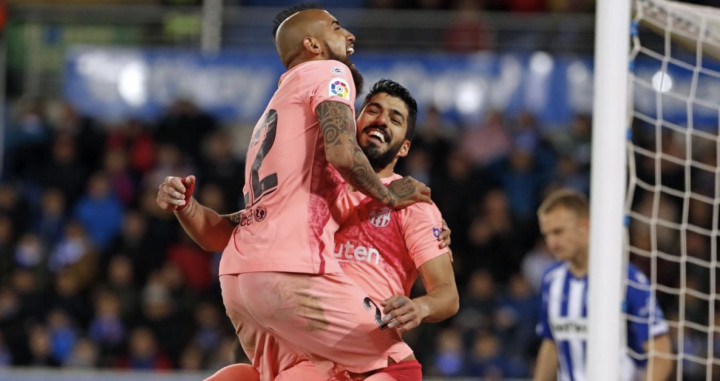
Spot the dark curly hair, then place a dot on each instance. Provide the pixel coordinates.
(395, 89)
(285, 13)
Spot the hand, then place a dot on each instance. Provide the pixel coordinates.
(401, 313)
(175, 192)
(444, 236)
(407, 191)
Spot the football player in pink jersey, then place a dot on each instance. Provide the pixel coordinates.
(278, 274)
(382, 250)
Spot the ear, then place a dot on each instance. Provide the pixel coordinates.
(404, 149)
(312, 45)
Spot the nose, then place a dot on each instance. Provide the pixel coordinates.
(381, 120)
(350, 37)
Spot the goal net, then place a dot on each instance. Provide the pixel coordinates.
(673, 197)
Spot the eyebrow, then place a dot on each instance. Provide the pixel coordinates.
(392, 110)
(335, 22)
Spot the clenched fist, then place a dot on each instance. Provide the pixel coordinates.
(175, 192)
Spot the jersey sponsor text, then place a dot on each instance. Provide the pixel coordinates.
(348, 252)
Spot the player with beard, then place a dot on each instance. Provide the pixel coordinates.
(278, 274)
(382, 250)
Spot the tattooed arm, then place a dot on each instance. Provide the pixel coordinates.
(342, 151)
(206, 227)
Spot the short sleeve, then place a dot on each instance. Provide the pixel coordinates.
(330, 81)
(543, 327)
(645, 322)
(422, 225)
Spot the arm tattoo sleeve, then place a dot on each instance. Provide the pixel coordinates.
(338, 129)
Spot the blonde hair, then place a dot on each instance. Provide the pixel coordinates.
(567, 198)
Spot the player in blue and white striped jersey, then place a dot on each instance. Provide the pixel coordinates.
(564, 222)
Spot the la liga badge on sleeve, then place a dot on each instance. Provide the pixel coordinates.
(339, 87)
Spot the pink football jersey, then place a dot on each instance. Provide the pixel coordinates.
(381, 248)
(289, 185)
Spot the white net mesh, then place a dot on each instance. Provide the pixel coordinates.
(674, 179)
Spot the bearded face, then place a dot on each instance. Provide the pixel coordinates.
(382, 129)
(380, 155)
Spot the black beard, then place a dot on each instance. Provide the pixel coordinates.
(357, 77)
(379, 160)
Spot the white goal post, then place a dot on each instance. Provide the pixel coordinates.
(607, 189)
(655, 181)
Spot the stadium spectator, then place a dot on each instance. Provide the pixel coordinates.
(220, 166)
(488, 141)
(487, 362)
(120, 179)
(63, 335)
(165, 316)
(5, 355)
(494, 230)
(107, 329)
(26, 139)
(99, 211)
(75, 254)
(50, 220)
(88, 136)
(185, 127)
(134, 137)
(515, 319)
(144, 352)
(449, 361)
(15, 205)
(68, 296)
(84, 355)
(120, 276)
(64, 171)
(39, 343)
(139, 244)
(7, 246)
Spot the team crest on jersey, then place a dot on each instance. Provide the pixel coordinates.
(260, 213)
(337, 70)
(339, 88)
(380, 217)
(436, 232)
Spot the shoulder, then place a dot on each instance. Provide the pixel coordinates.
(636, 276)
(418, 209)
(422, 209)
(552, 271)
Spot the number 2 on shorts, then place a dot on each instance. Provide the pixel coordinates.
(367, 302)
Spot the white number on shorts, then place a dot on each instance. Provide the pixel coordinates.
(367, 302)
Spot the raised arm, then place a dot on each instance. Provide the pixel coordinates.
(342, 151)
(209, 229)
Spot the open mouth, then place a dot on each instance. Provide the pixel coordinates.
(350, 50)
(377, 135)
